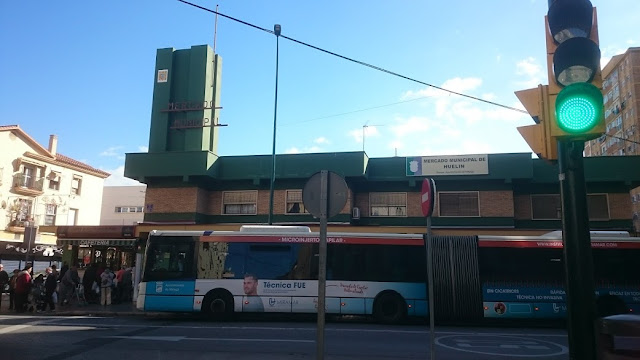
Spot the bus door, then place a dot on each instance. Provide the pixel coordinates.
(170, 273)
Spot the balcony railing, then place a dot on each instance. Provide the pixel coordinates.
(28, 184)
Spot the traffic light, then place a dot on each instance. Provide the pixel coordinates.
(538, 136)
(573, 64)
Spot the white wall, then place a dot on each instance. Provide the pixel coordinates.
(13, 147)
(122, 196)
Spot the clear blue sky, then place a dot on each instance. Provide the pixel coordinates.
(84, 70)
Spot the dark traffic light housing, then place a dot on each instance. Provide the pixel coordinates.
(575, 79)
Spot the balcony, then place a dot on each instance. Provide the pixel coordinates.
(27, 185)
(17, 226)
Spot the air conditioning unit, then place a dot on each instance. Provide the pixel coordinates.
(355, 213)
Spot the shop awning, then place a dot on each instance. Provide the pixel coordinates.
(37, 250)
(97, 242)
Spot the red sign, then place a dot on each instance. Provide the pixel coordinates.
(428, 199)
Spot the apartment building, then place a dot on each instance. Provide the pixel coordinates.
(621, 91)
(122, 205)
(39, 187)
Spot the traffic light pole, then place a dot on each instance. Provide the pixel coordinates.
(578, 260)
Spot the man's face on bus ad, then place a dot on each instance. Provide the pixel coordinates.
(250, 285)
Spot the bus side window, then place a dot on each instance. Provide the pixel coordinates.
(271, 261)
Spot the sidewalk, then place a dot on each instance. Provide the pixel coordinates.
(74, 309)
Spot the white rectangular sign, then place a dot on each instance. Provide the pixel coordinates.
(448, 165)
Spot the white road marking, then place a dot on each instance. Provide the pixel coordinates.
(156, 338)
(181, 338)
(524, 343)
(12, 328)
(310, 329)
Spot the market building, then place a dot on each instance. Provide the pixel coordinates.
(190, 187)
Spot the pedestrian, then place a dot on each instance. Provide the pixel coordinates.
(68, 283)
(55, 271)
(119, 285)
(4, 281)
(88, 279)
(23, 287)
(127, 286)
(12, 289)
(63, 270)
(105, 287)
(49, 290)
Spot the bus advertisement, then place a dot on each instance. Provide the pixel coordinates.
(275, 269)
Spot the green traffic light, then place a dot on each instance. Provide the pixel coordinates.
(579, 108)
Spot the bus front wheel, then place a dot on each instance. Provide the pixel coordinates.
(218, 305)
(389, 308)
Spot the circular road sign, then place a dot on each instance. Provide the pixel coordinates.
(428, 198)
(337, 192)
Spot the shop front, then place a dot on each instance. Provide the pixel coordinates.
(105, 246)
(14, 255)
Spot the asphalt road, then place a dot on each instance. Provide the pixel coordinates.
(96, 338)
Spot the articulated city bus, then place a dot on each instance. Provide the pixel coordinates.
(275, 269)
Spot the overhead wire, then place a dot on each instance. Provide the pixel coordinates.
(354, 60)
(378, 68)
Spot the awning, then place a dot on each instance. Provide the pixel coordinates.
(98, 242)
(37, 250)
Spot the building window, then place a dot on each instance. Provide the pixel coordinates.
(239, 202)
(128, 209)
(50, 214)
(72, 217)
(28, 176)
(22, 212)
(54, 180)
(294, 202)
(546, 207)
(459, 204)
(54, 184)
(549, 207)
(76, 185)
(598, 205)
(388, 204)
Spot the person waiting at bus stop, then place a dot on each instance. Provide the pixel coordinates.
(4, 280)
(23, 287)
(68, 284)
(105, 286)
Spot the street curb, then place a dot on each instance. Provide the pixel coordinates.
(107, 313)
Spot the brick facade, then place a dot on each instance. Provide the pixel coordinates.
(522, 209)
(496, 204)
(172, 200)
(620, 206)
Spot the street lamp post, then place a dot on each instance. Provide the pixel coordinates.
(276, 30)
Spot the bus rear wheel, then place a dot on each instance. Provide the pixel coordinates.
(218, 305)
(389, 308)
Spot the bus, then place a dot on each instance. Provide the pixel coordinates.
(275, 269)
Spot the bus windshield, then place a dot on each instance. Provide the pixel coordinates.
(169, 258)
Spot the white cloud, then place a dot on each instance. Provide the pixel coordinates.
(460, 148)
(117, 178)
(321, 140)
(489, 96)
(462, 85)
(531, 71)
(112, 151)
(369, 131)
(295, 150)
(143, 148)
(410, 125)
